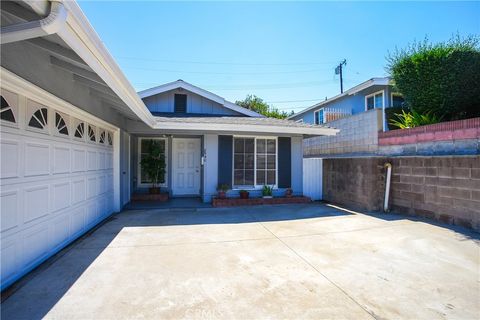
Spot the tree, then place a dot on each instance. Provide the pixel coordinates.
(442, 79)
(254, 103)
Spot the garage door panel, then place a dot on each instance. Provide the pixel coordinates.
(61, 159)
(92, 160)
(79, 160)
(10, 257)
(78, 191)
(61, 196)
(53, 189)
(35, 245)
(9, 150)
(60, 231)
(36, 200)
(10, 210)
(37, 159)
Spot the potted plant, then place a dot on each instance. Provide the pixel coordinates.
(222, 190)
(153, 164)
(244, 194)
(267, 192)
(288, 192)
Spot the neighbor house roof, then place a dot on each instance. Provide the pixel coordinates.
(244, 125)
(354, 90)
(201, 92)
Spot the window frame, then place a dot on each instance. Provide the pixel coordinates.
(66, 119)
(32, 107)
(175, 104)
(255, 186)
(14, 107)
(373, 95)
(392, 94)
(315, 117)
(139, 167)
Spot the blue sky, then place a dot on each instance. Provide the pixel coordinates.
(283, 52)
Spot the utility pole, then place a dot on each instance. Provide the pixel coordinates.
(339, 70)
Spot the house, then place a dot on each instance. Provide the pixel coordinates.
(375, 93)
(72, 132)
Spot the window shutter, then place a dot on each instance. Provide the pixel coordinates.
(284, 162)
(225, 154)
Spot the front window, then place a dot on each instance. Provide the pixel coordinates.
(255, 162)
(374, 100)
(144, 150)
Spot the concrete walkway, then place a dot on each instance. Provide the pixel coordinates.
(289, 262)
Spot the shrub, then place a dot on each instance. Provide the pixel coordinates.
(413, 119)
(439, 78)
(153, 163)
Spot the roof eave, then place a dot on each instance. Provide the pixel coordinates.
(243, 128)
(82, 38)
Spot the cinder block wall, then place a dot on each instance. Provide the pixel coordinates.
(445, 188)
(358, 134)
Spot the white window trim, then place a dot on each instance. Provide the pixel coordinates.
(373, 95)
(255, 185)
(139, 168)
(395, 94)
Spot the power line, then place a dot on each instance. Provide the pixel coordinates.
(291, 101)
(227, 73)
(225, 63)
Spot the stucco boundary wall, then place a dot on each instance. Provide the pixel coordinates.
(443, 188)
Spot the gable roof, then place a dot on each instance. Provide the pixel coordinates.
(354, 90)
(201, 92)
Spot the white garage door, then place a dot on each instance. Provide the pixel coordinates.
(56, 179)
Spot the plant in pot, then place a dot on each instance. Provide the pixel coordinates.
(267, 192)
(244, 194)
(222, 190)
(153, 165)
(288, 192)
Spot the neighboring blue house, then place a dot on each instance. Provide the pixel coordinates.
(373, 93)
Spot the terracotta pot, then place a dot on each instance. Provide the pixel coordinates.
(154, 190)
(222, 194)
(288, 193)
(244, 194)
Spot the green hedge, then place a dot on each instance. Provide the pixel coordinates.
(442, 78)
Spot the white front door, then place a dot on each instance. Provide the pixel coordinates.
(186, 166)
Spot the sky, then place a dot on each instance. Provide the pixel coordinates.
(283, 52)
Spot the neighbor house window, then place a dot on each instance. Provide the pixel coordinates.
(144, 145)
(397, 100)
(319, 118)
(180, 103)
(254, 161)
(374, 100)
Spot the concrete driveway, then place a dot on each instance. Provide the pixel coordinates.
(288, 262)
